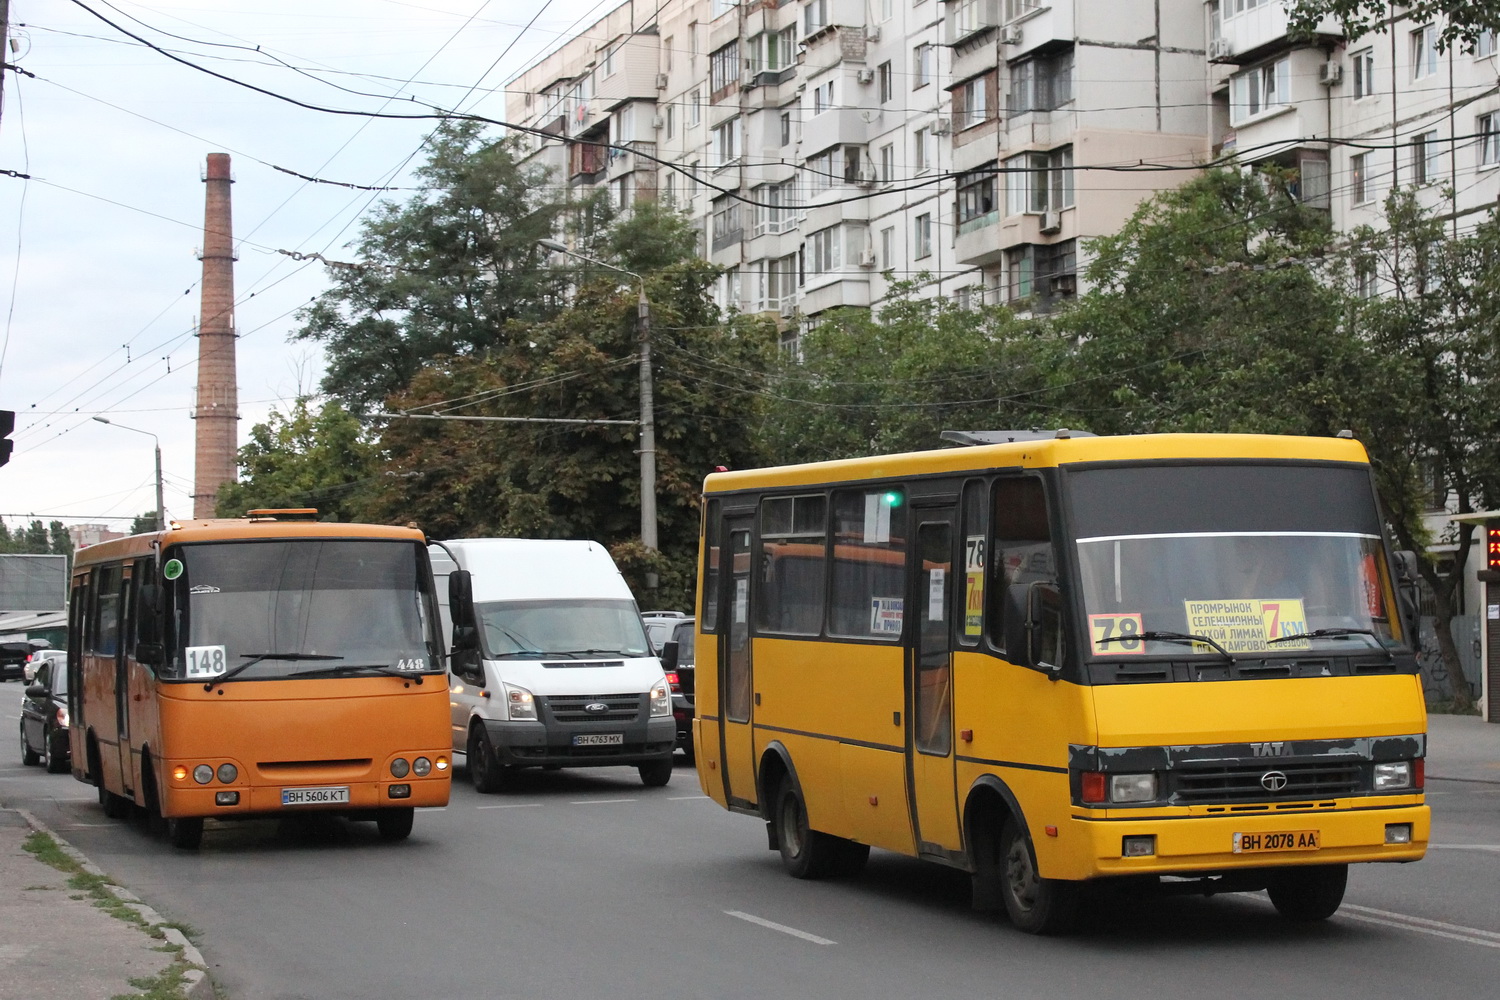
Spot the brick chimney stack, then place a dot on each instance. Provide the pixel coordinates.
(217, 409)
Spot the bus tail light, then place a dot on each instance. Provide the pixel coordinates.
(1419, 773)
(1094, 788)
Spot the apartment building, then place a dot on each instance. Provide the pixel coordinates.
(828, 148)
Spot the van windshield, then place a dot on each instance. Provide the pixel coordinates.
(576, 629)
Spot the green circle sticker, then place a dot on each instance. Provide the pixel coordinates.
(173, 569)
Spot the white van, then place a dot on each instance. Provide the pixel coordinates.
(550, 665)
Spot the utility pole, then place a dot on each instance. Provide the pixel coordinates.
(4, 46)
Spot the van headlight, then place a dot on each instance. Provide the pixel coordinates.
(661, 698)
(519, 703)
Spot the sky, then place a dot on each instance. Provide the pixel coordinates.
(99, 278)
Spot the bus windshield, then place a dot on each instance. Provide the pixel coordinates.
(577, 628)
(264, 609)
(1262, 560)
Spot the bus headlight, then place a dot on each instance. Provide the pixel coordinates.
(1132, 787)
(520, 704)
(661, 698)
(227, 773)
(203, 774)
(421, 767)
(1392, 776)
(399, 767)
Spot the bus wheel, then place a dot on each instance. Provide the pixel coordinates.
(395, 824)
(487, 773)
(805, 852)
(115, 806)
(1036, 905)
(29, 757)
(655, 773)
(1307, 894)
(185, 832)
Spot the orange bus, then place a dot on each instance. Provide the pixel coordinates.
(248, 667)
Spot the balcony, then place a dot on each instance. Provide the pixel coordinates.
(969, 19)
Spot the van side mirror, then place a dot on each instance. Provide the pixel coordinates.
(670, 652)
(1044, 626)
(148, 615)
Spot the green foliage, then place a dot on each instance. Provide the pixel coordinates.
(1462, 21)
(36, 538)
(144, 522)
(304, 458)
(443, 274)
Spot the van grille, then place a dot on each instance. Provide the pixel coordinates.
(618, 707)
(1242, 783)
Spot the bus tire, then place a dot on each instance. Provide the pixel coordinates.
(1308, 894)
(487, 774)
(29, 757)
(185, 832)
(805, 852)
(395, 823)
(115, 806)
(656, 773)
(1035, 904)
(57, 752)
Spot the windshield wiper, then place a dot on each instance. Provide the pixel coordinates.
(1336, 633)
(351, 668)
(1170, 637)
(257, 657)
(592, 652)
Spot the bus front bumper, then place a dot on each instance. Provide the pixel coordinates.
(1204, 844)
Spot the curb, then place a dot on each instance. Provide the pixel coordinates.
(196, 984)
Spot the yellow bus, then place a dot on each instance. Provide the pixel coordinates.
(1047, 659)
(222, 669)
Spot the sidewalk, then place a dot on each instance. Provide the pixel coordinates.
(59, 945)
(1463, 748)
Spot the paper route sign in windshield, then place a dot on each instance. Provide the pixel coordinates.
(1247, 625)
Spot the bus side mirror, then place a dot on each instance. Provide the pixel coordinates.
(1408, 576)
(669, 655)
(149, 654)
(461, 601)
(1044, 626)
(148, 616)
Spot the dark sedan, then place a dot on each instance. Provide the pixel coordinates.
(44, 718)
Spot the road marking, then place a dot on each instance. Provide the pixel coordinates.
(512, 805)
(783, 928)
(1465, 847)
(1454, 932)
(686, 798)
(86, 826)
(598, 802)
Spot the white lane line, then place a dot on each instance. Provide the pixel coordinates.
(1465, 847)
(686, 798)
(598, 802)
(783, 928)
(512, 805)
(1437, 928)
(86, 826)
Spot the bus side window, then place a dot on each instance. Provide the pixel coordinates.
(105, 625)
(712, 527)
(975, 552)
(1020, 555)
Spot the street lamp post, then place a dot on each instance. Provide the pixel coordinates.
(648, 404)
(161, 513)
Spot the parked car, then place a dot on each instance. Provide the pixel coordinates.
(659, 625)
(38, 658)
(13, 657)
(44, 718)
(676, 651)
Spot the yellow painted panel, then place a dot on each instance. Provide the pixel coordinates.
(874, 793)
(855, 692)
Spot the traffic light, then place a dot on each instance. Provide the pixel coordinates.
(7, 424)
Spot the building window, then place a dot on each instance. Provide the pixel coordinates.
(620, 192)
(1364, 73)
(773, 51)
(1043, 83)
(671, 121)
(719, 7)
(1039, 182)
(924, 149)
(815, 16)
(1364, 278)
(976, 201)
(887, 80)
(821, 252)
(921, 66)
(1259, 90)
(669, 188)
(1057, 268)
(776, 208)
(1426, 158)
(608, 69)
(971, 102)
(1016, 8)
(841, 164)
(1018, 273)
(725, 143)
(922, 236)
(728, 227)
(887, 163)
(786, 128)
(724, 68)
(888, 248)
(695, 108)
(1359, 176)
(1424, 54)
(1489, 139)
(1484, 45)
(777, 283)
(822, 97)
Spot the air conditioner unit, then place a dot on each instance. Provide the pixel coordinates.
(867, 258)
(747, 80)
(1065, 284)
(660, 121)
(1051, 222)
(943, 126)
(866, 177)
(865, 76)
(1218, 48)
(872, 34)
(1330, 73)
(1010, 35)
(788, 309)
(661, 81)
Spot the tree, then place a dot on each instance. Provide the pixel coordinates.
(442, 274)
(144, 522)
(304, 458)
(1463, 21)
(60, 542)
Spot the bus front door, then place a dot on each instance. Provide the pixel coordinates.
(735, 677)
(929, 657)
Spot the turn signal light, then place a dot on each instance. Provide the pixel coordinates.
(180, 772)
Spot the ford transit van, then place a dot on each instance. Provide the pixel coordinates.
(549, 665)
